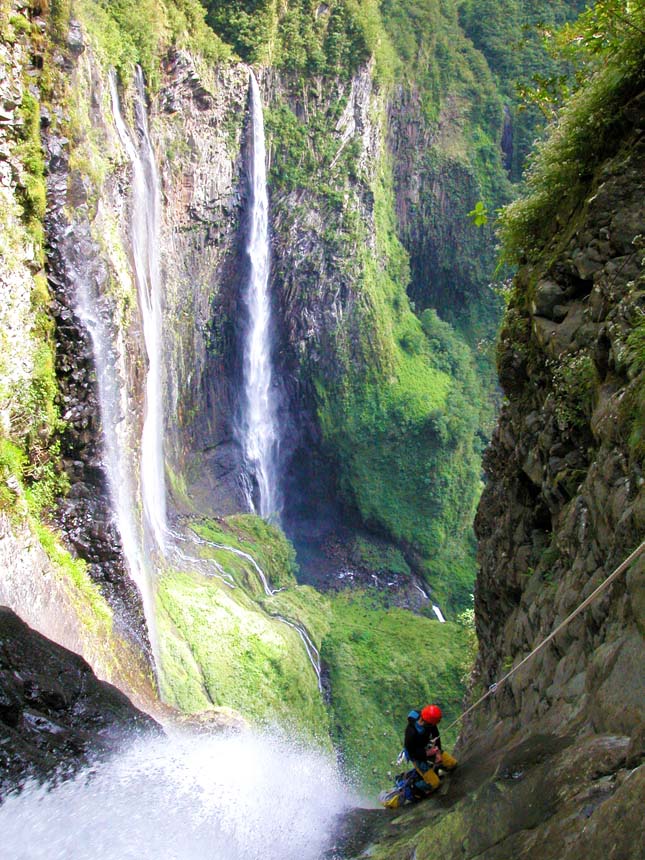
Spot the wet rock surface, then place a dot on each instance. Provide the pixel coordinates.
(545, 796)
(55, 715)
(85, 514)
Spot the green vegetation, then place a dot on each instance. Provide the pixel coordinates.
(588, 130)
(574, 382)
(451, 94)
(305, 37)
(126, 32)
(377, 557)
(30, 423)
(31, 439)
(607, 47)
(218, 647)
(220, 641)
(266, 543)
(32, 184)
(92, 609)
(382, 663)
(399, 418)
(60, 12)
(517, 40)
(308, 155)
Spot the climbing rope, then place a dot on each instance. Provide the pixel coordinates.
(604, 584)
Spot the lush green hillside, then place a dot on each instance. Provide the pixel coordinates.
(517, 40)
(224, 643)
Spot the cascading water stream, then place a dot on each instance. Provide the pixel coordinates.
(259, 426)
(436, 609)
(183, 797)
(312, 652)
(146, 214)
(261, 574)
(114, 406)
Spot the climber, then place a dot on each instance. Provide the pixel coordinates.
(423, 746)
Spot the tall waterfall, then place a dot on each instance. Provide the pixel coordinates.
(116, 443)
(146, 213)
(259, 430)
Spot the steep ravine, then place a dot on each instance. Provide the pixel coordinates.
(382, 416)
(552, 762)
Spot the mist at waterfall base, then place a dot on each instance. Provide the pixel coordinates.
(185, 797)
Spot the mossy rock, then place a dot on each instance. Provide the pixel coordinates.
(220, 647)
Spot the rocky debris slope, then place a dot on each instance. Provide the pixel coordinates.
(55, 715)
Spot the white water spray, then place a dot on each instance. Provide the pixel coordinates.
(259, 431)
(218, 797)
(146, 214)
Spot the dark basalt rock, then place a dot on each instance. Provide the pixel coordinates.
(55, 715)
(84, 515)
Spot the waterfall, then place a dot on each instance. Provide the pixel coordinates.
(185, 797)
(259, 430)
(146, 213)
(437, 611)
(114, 406)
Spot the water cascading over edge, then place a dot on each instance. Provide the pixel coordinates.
(146, 214)
(115, 406)
(138, 539)
(259, 435)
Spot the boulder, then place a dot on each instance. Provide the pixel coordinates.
(55, 714)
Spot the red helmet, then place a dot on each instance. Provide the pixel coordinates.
(431, 714)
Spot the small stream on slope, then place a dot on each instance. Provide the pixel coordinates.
(184, 797)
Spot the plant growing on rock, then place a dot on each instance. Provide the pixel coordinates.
(574, 381)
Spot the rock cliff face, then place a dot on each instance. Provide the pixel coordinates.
(437, 185)
(552, 761)
(199, 130)
(55, 715)
(565, 502)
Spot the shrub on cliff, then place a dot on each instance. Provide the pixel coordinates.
(126, 32)
(609, 44)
